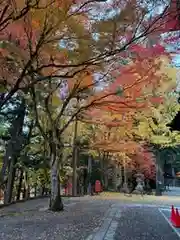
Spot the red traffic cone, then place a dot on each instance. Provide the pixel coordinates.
(173, 215)
(177, 222)
(177, 213)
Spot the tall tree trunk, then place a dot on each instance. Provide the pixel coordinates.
(56, 203)
(74, 160)
(20, 185)
(120, 180)
(75, 177)
(102, 168)
(35, 190)
(106, 172)
(89, 175)
(26, 186)
(158, 175)
(14, 147)
(10, 182)
(24, 192)
(43, 190)
(115, 172)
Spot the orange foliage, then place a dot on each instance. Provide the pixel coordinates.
(37, 33)
(129, 147)
(134, 79)
(144, 162)
(29, 34)
(117, 111)
(83, 80)
(20, 32)
(26, 31)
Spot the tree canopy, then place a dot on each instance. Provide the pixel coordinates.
(84, 78)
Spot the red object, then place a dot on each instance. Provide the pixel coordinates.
(168, 21)
(175, 217)
(177, 220)
(177, 213)
(97, 186)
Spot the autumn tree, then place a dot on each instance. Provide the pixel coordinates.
(148, 82)
(84, 40)
(65, 42)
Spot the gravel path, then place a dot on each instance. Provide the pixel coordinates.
(75, 223)
(81, 218)
(34, 205)
(142, 223)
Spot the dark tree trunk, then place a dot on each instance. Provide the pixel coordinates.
(26, 186)
(35, 190)
(43, 190)
(159, 174)
(74, 160)
(27, 192)
(102, 159)
(24, 192)
(10, 182)
(14, 147)
(56, 203)
(89, 183)
(105, 171)
(20, 185)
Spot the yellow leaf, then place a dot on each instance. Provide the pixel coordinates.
(56, 101)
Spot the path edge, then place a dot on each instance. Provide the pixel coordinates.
(174, 229)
